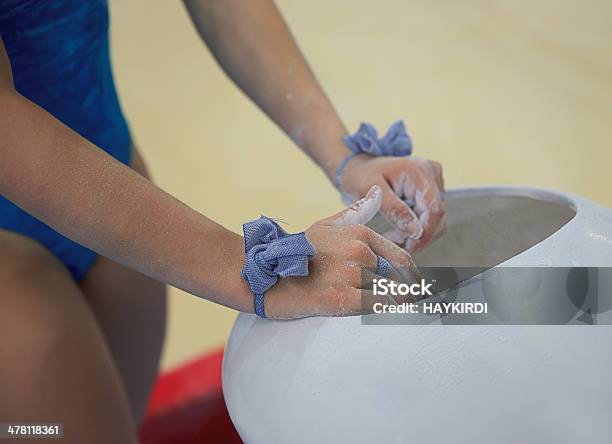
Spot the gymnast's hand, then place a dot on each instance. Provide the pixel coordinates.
(402, 179)
(345, 248)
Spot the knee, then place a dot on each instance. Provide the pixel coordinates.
(21, 256)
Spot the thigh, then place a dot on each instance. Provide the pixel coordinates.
(131, 311)
(54, 363)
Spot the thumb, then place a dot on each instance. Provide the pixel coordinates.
(400, 215)
(360, 212)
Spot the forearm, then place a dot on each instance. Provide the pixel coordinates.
(76, 188)
(255, 48)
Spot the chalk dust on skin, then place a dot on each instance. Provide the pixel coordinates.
(362, 211)
(411, 227)
(405, 187)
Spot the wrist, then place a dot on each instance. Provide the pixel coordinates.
(217, 271)
(335, 155)
(240, 291)
(323, 144)
(271, 254)
(341, 174)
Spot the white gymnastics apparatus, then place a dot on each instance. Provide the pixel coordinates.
(334, 380)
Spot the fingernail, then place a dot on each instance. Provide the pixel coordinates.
(373, 192)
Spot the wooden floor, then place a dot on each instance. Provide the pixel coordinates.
(504, 92)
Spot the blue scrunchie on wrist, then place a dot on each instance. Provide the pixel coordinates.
(396, 142)
(271, 253)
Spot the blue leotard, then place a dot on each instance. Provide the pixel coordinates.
(59, 53)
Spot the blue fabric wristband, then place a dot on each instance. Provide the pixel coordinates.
(383, 267)
(271, 253)
(396, 142)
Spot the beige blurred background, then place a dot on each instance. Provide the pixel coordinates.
(504, 92)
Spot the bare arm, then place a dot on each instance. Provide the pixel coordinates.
(85, 194)
(253, 45)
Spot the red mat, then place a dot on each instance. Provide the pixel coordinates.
(187, 406)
